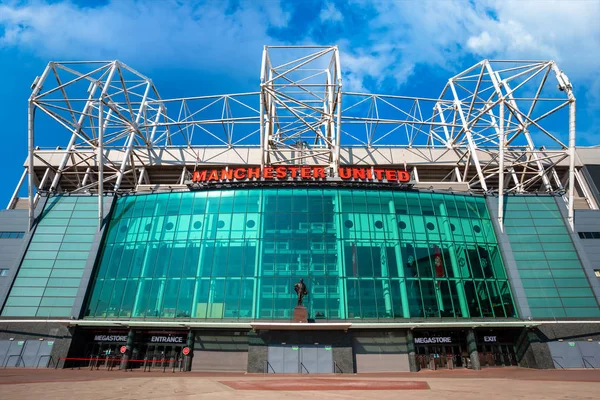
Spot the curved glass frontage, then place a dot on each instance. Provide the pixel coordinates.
(236, 254)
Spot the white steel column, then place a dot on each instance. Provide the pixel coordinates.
(30, 116)
(100, 161)
(65, 159)
(264, 143)
(41, 184)
(36, 87)
(131, 138)
(571, 212)
(100, 147)
(472, 146)
(338, 131)
(501, 144)
(15, 195)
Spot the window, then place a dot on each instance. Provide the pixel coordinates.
(12, 235)
(237, 255)
(589, 235)
(4, 272)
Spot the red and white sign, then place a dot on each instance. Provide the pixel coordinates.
(300, 173)
(123, 349)
(186, 351)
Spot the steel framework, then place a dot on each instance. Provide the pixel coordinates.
(505, 125)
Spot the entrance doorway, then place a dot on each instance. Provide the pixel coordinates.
(159, 355)
(102, 354)
(496, 355)
(441, 357)
(304, 359)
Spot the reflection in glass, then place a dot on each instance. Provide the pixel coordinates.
(363, 255)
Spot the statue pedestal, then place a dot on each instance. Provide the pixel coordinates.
(300, 314)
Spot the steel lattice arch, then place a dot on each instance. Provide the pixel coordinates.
(499, 127)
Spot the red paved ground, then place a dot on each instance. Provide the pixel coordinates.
(22, 375)
(522, 374)
(325, 384)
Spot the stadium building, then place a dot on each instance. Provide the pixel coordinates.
(459, 231)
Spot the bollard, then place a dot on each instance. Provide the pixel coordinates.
(450, 361)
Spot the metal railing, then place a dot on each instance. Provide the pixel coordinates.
(47, 363)
(14, 355)
(337, 368)
(303, 366)
(266, 369)
(557, 363)
(587, 362)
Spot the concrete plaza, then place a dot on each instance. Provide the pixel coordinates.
(508, 383)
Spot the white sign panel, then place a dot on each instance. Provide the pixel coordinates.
(166, 339)
(433, 340)
(110, 338)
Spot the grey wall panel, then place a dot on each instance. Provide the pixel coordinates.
(587, 221)
(14, 220)
(275, 360)
(13, 250)
(284, 360)
(309, 360)
(304, 359)
(30, 351)
(316, 359)
(42, 358)
(382, 363)
(324, 360)
(59, 334)
(381, 351)
(10, 249)
(4, 346)
(565, 355)
(291, 359)
(590, 354)
(234, 361)
(12, 357)
(340, 342)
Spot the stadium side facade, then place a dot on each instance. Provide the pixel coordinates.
(431, 233)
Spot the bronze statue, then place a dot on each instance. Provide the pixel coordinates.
(301, 291)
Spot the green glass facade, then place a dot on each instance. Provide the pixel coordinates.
(51, 271)
(236, 254)
(552, 275)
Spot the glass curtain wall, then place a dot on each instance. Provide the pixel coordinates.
(51, 271)
(552, 275)
(236, 254)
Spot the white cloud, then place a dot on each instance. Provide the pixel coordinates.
(330, 13)
(482, 43)
(392, 42)
(441, 33)
(155, 33)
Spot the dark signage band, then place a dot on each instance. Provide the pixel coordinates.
(299, 173)
(153, 339)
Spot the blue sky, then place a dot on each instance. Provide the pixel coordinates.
(209, 47)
